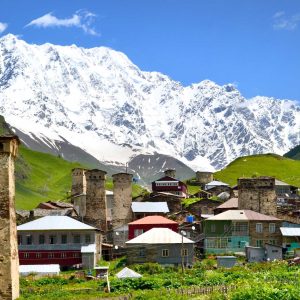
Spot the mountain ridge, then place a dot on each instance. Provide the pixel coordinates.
(98, 100)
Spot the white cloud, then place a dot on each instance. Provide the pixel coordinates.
(3, 26)
(283, 22)
(81, 19)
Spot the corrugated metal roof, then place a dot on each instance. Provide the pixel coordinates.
(160, 236)
(153, 220)
(290, 231)
(278, 182)
(153, 207)
(217, 183)
(128, 273)
(242, 215)
(48, 269)
(89, 248)
(54, 223)
(231, 203)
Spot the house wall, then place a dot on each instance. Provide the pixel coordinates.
(219, 228)
(203, 207)
(153, 253)
(217, 190)
(146, 227)
(63, 254)
(265, 236)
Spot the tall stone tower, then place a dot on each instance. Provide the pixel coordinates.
(78, 182)
(9, 261)
(121, 209)
(170, 173)
(204, 177)
(96, 208)
(258, 194)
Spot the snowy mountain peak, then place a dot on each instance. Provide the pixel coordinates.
(98, 100)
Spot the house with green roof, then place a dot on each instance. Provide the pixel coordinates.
(232, 230)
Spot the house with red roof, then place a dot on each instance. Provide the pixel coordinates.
(141, 226)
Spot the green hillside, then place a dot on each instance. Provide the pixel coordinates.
(282, 168)
(293, 153)
(41, 177)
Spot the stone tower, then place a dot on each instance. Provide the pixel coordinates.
(121, 209)
(78, 182)
(258, 194)
(204, 177)
(9, 260)
(170, 173)
(96, 208)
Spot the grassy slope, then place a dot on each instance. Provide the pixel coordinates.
(282, 168)
(42, 177)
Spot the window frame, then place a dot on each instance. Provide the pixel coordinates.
(165, 253)
(257, 226)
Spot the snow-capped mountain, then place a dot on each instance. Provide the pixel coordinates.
(98, 100)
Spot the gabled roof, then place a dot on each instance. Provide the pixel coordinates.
(150, 207)
(230, 203)
(279, 182)
(153, 220)
(128, 273)
(247, 215)
(54, 223)
(290, 231)
(160, 236)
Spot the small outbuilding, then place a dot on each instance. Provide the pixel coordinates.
(39, 270)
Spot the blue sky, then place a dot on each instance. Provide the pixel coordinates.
(254, 44)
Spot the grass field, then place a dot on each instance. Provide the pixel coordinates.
(41, 177)
(282, 168)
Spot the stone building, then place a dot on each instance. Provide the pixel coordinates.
(202, 178)
(78, 182)
(96, 207)
(9, 266)
(258, 194)
(121, 206)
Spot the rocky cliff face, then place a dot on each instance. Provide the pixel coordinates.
(98, 100)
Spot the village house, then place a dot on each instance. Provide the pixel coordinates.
(160, 245)
(140, 226)
(231, 204)
(232, 230)
(58, 240)
(290, 238)
(170, 184)
(215, 188)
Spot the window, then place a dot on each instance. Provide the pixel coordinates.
(259, 243)
(240, 227)
(50, 255)
(19, 239)
(213, 227)
(41, 239)
(87, 238)
(272, 227)
(226, 228)
(29, 239)
(64, 239)
(52, 239)
(259, 227)
(165, 253)
(63, 255)
(38, 255)
(184, 252)
(138, 232)
(272, 242)
(142, 252)
(26, 255)
(76, 255)
(76, 239)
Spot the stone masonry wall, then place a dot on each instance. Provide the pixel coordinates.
(78, 182)
(204, 177)
(9, 261)
(96, 208)
(121, 208)
(258, 194)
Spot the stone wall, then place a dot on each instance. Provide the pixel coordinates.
(258, 194)
(204, 177)
(96, 208)
(9, 261)
(121, 206)
(170, 173)
(78, 182)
